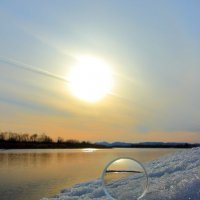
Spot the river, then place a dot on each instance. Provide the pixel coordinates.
(33, 174)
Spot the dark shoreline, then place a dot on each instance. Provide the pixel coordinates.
(38, 145)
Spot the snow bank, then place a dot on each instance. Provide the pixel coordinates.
(173, 177)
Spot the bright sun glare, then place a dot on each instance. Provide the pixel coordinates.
(90, 79)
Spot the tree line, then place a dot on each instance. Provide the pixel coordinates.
(11, 140)
(24, 137)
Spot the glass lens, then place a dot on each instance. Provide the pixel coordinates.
(124, 178)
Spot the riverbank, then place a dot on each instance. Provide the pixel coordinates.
(172, 177)
(49, 145)
(80, 145)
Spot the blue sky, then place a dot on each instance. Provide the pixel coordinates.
(152, 46)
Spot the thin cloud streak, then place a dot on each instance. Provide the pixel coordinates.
(27, 67)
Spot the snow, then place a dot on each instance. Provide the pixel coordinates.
(172, 177)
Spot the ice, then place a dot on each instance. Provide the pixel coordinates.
(173, 177)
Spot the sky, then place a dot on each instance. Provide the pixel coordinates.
(152, 48)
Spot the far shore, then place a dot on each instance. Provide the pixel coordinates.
(13, 140)
(6, 145)
(41, 145)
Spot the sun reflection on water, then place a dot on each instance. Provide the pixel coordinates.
(89, 150)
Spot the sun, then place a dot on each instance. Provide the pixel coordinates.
(90, 79)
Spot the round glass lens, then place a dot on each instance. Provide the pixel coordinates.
(124, 178)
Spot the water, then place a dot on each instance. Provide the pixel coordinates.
(33, 174)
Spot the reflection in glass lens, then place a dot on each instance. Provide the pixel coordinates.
(124, 178)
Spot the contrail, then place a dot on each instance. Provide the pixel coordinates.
(30, 68)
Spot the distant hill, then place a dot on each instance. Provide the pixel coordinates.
(148, 145)
(114, 144)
